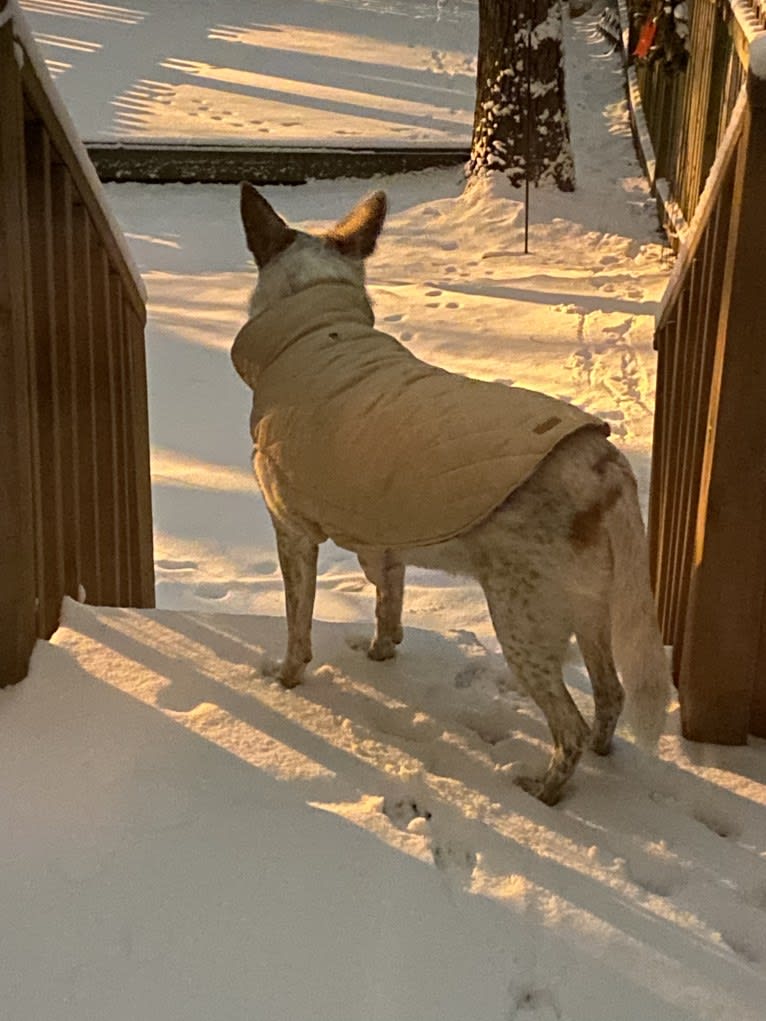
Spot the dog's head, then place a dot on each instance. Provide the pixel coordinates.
(290, 260)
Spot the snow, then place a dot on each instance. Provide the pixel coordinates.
(27, 49)
(307, 72)
(757, 54)
(692, 234)
(749, 18)
(181, 838)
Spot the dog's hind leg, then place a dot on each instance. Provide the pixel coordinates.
(298, 561)
(533, 642)
(608, 696)
(386, 572)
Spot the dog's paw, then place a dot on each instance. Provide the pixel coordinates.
(600, 742)
(381, 649)
(537, 787)
(290, 673)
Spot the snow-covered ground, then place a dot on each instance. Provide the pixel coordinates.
(335, 72)
(183, 839)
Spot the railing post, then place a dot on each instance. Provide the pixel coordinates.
(18, 557)
(722, 681)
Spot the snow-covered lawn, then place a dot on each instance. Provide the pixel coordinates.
(182, 839)
(337, 72)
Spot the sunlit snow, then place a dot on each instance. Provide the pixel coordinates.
(181, 838)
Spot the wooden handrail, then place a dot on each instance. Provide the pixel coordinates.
(708, 493)
(687, 253)
(75, 498)
(40, 92)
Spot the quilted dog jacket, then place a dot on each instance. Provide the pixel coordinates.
(372, 446)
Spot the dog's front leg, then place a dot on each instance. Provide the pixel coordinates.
(298, 561)
(386, 572)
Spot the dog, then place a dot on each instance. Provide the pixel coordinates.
(558, 549)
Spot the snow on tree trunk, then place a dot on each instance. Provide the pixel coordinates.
(500, 131)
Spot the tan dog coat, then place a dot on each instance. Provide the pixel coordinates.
(372, 446)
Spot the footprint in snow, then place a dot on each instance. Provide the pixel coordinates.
(261, 567)
(658, 878)
(716, 822)
(402, 811)
(742, 946)
(618, 330)
(212, 590)
(534, 1004)
(177, 565)
(357, 641)
(465, 677)
(452, 857)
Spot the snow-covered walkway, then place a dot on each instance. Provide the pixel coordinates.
(182, 839)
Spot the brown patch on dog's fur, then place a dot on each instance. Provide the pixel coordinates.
(585, 527)
(603, 462)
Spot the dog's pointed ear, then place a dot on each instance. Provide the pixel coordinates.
(356, 234)
(266, 232)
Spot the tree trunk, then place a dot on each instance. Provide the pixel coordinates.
(518, 131)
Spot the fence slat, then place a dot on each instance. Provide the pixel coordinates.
(48, 465)
(86, 385)
(66, 382)
(122, 467)
(103, 399)
(684, 341)
(18, 571)
(140, 476)
(668, 455)
(38, 99)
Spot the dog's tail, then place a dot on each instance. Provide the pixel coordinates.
(636, 642)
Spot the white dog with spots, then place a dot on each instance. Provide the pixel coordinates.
(359, 441)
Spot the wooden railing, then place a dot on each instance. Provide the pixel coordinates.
(75, 503)
(708, 495)
(687, 111)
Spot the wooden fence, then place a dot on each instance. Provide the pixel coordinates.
(708, 496)
(687, 111)
(75, 503)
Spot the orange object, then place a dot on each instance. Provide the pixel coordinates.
(645, 39)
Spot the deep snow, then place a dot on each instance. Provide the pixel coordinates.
(182, 839)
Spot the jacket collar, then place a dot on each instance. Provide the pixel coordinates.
(272, 330)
